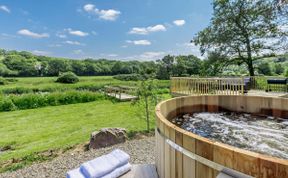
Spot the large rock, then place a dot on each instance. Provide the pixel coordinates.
(106, 137)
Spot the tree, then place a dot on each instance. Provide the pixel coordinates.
(243, 30)
(187, 65)
(214, 64)
(147, 100)
(279, 69)
(165, 67)
(58, 66)
(264, 68)
(25, 67)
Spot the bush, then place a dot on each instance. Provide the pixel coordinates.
(286, 74)
(7, 105)
(68, 77)
(3, 81)
(30, 101)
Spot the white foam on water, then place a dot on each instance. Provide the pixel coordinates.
(263, 135)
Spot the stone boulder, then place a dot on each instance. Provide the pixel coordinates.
(107, 137)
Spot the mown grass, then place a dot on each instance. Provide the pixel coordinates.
(59, 127)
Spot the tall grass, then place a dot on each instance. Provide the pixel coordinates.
(30, 101)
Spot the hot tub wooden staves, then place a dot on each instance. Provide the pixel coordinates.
(180, 153)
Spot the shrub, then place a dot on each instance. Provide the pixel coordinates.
(3, 81)
(68, 77)
(6, 104)
(286, 74)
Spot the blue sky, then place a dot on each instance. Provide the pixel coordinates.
(114, 29)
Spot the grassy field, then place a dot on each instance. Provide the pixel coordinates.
(49, 84)
(59, 127)
(29, 133)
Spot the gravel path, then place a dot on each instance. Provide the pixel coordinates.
(141, 152)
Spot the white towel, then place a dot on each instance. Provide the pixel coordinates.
(119, 171)
(121, 156)
(105, 164)
(75, 173)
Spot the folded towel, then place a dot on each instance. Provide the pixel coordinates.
(75, 173)
(121, 156)
(105, 164)
(119, 171)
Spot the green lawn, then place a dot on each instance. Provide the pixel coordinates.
(55, 127)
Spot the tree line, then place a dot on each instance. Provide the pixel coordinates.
(25, 64)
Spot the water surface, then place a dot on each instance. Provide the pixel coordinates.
(266, 135)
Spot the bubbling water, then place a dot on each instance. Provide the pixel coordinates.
(266, 135)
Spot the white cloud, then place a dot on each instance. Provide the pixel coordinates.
(41, 53)
(54, 45)
(112, 55)
(60, 35)
(139, 31)
(187, 49)
(31, 34)
(140, 42)
(110, 14)
(76, 32)
(179, 22)
(147, 56)
(94, 33)
(73, 43)
(89, 7)
(147, 30)
(5, 9)
(152, 55)
(156, 28)
(78, 51)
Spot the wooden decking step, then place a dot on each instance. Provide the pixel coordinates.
(141, 171)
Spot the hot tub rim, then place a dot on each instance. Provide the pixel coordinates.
(253, 154)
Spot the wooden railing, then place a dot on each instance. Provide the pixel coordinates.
(118, 91)
(224, 86)
(205, 86)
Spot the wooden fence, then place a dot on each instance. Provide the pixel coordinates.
(205, 86)
(224, 86)
(123, 93)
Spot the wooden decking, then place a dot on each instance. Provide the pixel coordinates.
(142, 171)
(263, 93)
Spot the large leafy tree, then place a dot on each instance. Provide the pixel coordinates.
(244, 30)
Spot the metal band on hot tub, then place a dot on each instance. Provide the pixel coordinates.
(207, 162)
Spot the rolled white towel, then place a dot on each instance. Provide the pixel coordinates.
(105, 164)
(75, 173)
(119, 171)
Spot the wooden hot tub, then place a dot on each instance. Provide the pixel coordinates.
(180, 153)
